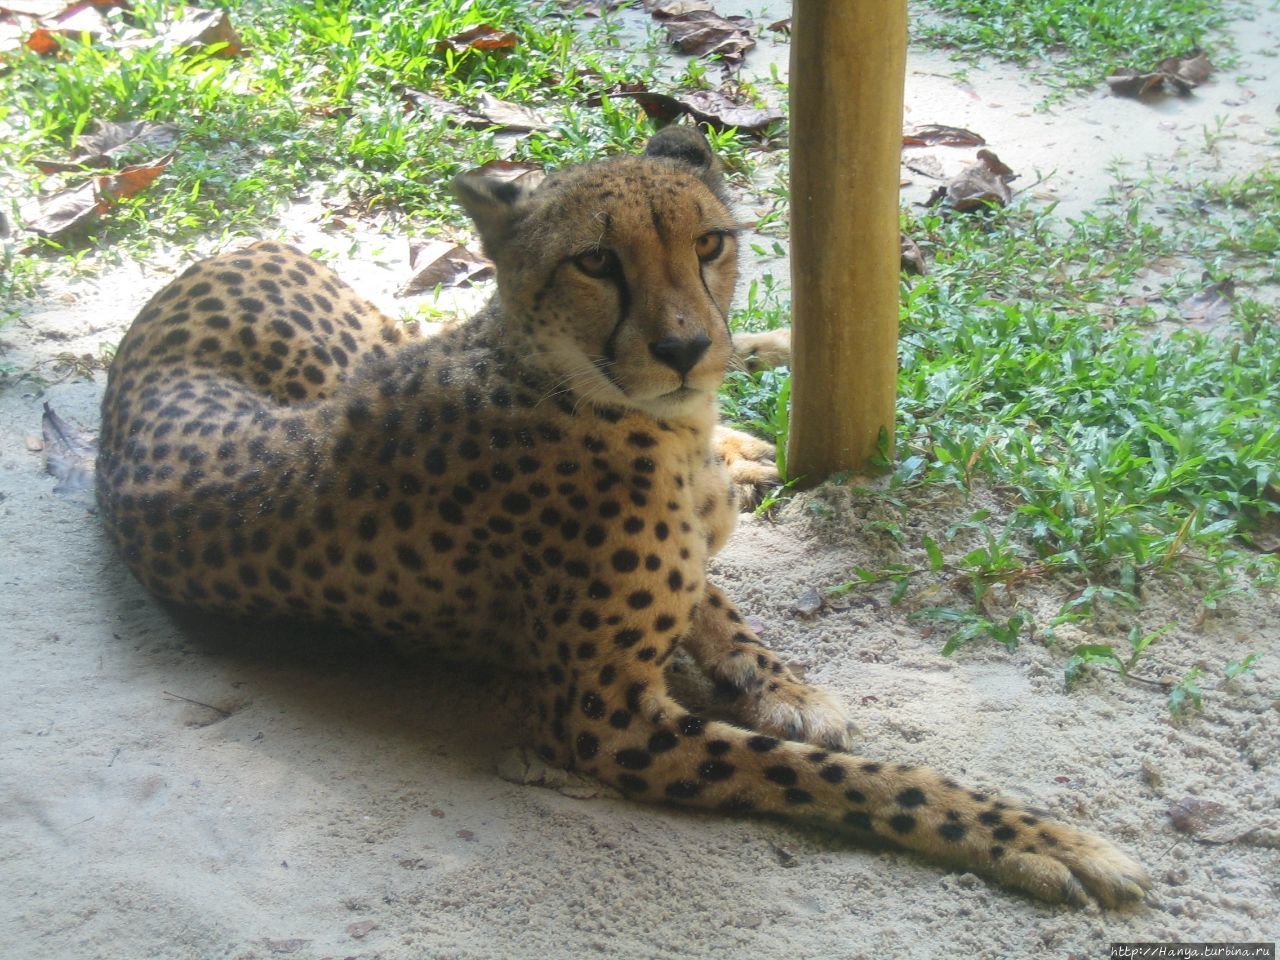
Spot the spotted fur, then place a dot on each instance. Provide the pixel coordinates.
(537, 486)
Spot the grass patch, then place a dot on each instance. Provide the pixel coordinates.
(1074, 44)
(1125, 448)
(318, 107)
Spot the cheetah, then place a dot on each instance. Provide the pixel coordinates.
(538, 487)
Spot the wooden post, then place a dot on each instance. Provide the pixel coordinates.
(848, 62)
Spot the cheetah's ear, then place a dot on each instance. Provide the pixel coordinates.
(494, 196)
(688, 146)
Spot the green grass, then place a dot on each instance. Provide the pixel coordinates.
(1125, 447)
(315, 107)
(1074, 44)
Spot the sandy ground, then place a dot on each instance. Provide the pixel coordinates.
(181, 787)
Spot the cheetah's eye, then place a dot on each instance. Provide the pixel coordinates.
(709, 246)
(597, 263)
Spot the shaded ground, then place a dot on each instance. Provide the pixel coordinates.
(324, 801)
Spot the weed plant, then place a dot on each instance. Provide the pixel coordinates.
(1125, 446)
(1074, 44)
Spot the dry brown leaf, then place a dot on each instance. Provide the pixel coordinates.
(808, 603)
(361, 929)
(69, 454)
(1175, 74)
(482, 37)
(440, 107)
(82, 19)
(1266, 538)
(106, 142)
(529, 175)
(591, 8)
(702, 33)
(130, 180)
(912, 258)
(442, 263)
(981, 183)
(59, 214)
(1211, 304)
(1193, 815)
(663, 9)
(940, 135)
(718, 110)
(42, 41)
(292, 945)
(511, 116)
(928, 166)
(711, 107)
(781, 26)
(203, 28)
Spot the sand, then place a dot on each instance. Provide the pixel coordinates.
(180, 786)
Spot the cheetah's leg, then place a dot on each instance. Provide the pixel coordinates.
(749, 462)
(629, 733)
(762, 351)
(757, 687)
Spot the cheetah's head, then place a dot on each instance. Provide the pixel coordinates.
(619, 274)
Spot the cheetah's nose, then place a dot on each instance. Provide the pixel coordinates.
(680, 353)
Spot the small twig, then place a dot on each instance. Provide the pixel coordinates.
(208, 706)
(1162, 684)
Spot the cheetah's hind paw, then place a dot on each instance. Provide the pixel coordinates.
(750, 463)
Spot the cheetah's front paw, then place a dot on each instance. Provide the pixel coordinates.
(770, 698)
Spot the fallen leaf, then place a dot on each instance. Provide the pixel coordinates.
(203, 28)
(663, 9)
(808, 603)
(69, 454)
(940, 135)
(1193, 815)
(592, 8)
(912, 258)
(1211, 304)
(1266, 538)
(129, 180)
(42, 41)
(702, 33)
(705, 106)
(786, 855)
(292, 945)
(529, 175)
(106, 142)
(928, 166)
(62, 213)
(441, 263)
(511, 116)
(718, 110)
(1193, 70)
(361, 928)
(440, 107)
(482, 37)
(83, 18)
(983, 182)
(1178, 75)
(781, 26)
